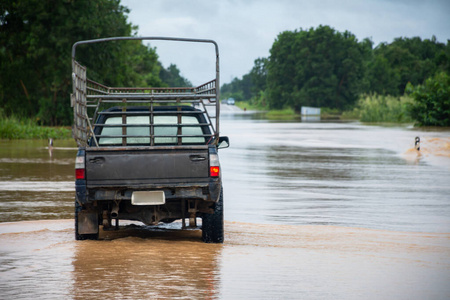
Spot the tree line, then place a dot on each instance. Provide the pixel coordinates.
(36, 38)
(322, 67)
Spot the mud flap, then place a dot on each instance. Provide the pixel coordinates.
(87, 222)
(215, 190)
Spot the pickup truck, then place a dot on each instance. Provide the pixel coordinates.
(146, 154)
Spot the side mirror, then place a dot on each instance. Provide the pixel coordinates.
(224, 142)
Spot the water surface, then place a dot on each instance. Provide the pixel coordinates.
(40, 260)
(320, 210)
(345, 174)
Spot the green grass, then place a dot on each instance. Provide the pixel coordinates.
(369, 109)
(381, 109)
(14, 128)
(351, 115)
(282, 114)
(246, 105)
(330, 113)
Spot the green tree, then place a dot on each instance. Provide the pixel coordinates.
(325, 68)
(281, 69)
(239, 89)
(406, 60)
(381, 78)
(172, 77)
(318, 67)
(432, 101)
(250, 85)
(234, 89)
(258, 76)
(36, 37)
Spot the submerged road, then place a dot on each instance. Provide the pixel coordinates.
(319, 210)
(41, 260)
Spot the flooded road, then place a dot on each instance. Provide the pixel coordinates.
(344, 174)
(35, 185)
(40, 260)
(313, 210)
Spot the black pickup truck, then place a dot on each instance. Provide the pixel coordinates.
(147, 154)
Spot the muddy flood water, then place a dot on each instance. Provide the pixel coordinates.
(313, 210)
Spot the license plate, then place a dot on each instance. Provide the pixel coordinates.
(148, 198)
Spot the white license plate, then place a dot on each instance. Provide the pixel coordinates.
(148, 198)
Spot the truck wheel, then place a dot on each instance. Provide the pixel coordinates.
(78, 236)
(212, 224)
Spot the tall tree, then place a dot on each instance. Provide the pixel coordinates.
(36, 37)
(258, 76)
(318, 67)
(281, 69)
(250, 85)
(172, 77)
(405, 60)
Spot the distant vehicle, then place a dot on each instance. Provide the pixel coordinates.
(145, 155)
(231, 101)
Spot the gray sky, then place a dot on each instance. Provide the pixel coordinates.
(246, 29)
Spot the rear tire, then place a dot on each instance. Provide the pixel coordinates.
(212, 224)
(78, 236)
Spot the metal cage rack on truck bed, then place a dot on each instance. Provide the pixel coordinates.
(90, 99)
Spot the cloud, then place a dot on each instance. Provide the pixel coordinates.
(246, 29)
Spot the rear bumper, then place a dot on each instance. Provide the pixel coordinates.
(206, 191)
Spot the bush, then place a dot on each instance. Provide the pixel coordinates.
(432, 101)
(377, 108)
(14, 128)
(354, 114)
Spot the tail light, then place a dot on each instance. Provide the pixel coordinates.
(214, 165)
(214, 171)
(80, 166)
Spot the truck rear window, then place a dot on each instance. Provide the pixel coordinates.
(165, 131)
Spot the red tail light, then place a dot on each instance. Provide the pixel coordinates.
(214, 166)
(79, 174)
(214, 171)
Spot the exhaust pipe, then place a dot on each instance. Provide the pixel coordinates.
(115, 211)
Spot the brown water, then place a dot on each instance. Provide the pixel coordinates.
(313, 210)
(40, 259)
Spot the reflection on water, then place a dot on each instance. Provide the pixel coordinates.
(35, 205)
(389, 207)
(343, 174)
(33, 184)
(171, 265)
(40, 260)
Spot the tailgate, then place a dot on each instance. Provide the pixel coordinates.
(125, 167)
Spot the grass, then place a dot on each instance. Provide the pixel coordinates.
(330, 113)
(369, 109)
(282, 114)
(381, 109)
(246, 105)
(14, 128)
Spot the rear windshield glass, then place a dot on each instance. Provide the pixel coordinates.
(164, 130)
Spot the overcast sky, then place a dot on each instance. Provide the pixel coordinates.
(246, 29)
